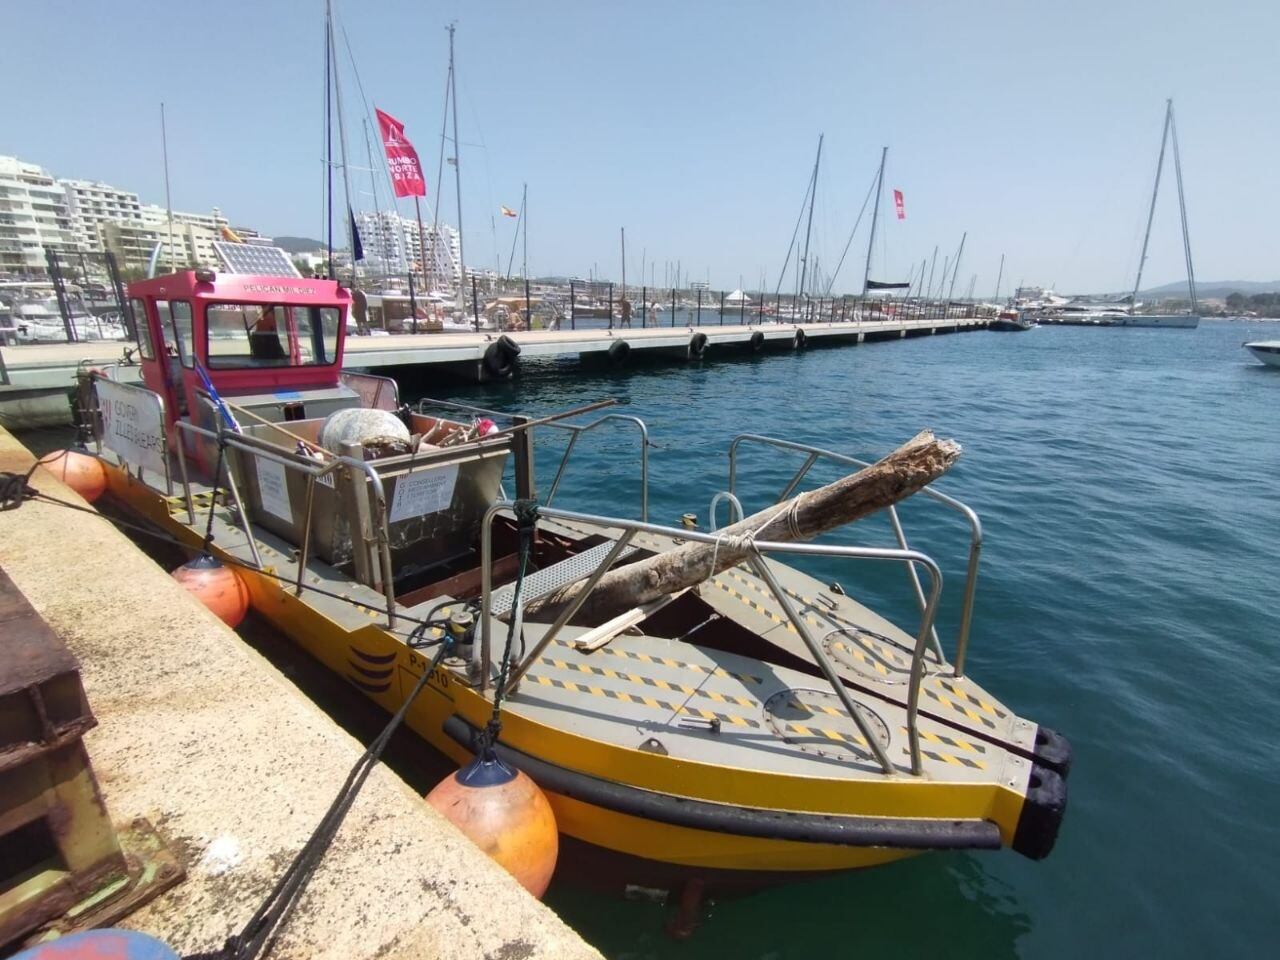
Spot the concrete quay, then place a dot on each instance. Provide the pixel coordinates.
(199, 734)
(35, 377)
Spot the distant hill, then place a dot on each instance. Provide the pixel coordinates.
(1215, 288)
(298, 244)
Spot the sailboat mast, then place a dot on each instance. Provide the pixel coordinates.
(524, 233)
(168, 201)
(433, 277)
(457, 167)
(1155, 191)
(1182, 207)
(808, 230)
(875, 218)
(342, 146)
(955, 270)
(999, 277)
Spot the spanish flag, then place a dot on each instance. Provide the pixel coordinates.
(508, 212)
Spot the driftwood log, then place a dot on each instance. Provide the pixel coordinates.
(914, 465)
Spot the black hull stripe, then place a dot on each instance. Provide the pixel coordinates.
(897, 833)
(373, 658)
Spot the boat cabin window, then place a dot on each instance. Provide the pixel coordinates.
(143, 328)
(180, 315)
(173, 347)
(270, 335)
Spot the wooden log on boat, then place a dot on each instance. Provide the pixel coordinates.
(911, 467)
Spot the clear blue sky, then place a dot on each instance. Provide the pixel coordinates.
(1034, 126)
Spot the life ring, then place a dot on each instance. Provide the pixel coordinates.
(697, 346)
(500, 357)
(756, 343)
(799, 341)
(618, 351)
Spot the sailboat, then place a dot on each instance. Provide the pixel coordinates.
(1125, 312)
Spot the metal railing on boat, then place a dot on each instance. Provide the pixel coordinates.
(757, 550)
(814, 454)
(255, 447)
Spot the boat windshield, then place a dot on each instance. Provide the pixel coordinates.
(270, 335)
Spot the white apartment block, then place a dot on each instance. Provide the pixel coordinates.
(91, 205)
(391, 245)
(33, 215)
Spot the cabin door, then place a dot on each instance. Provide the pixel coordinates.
(159, 356)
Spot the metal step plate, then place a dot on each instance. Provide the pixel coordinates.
(548, 580)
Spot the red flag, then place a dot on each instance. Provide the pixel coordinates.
(402, 160)
(898, 205)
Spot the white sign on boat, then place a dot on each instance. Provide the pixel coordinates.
(423, 492)
(132, 424)
(273, 489)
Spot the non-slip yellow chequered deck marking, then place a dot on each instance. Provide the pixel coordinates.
(669, 662)
(860, 654)
(836, 735)
(956, 742)
(960, 708)
(650, 682)
(976, 701)
(829, 618)
(650, 702)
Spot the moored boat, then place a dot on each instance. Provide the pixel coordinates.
(762, 721)
(1010, 321)
(1267, 351)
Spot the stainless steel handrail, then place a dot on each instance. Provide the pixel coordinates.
(758, 550)
(260, 448)
(578, 430)
(975, 530)
(734, 503)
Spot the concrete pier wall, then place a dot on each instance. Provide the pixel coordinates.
(235, 767)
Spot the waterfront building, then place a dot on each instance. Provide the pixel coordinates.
(92, 205)
(33, 215)
(391, 246)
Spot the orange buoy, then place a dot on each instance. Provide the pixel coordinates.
(503, 813)
(217, 586)
(81, 472)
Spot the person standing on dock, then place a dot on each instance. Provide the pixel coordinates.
(624, 308)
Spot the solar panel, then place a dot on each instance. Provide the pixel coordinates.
(254, 258)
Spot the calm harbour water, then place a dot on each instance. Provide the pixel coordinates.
(1129, 485)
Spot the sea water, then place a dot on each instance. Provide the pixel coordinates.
(1128, 482)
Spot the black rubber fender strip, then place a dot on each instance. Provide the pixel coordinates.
(1042, 813)
(500, 356)
(1052, 750)
(848, 831)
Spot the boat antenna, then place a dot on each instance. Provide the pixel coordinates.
(328, 138)
(342, 148)
(1151, 213)
(1182, 207)
(808, 230)
(168, 202)
(875, 218)
(457, 165)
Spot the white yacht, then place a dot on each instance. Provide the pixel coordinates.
(1267, 351)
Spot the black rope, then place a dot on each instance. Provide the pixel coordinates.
(213, 499)
(16, 489)
(526, 512)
